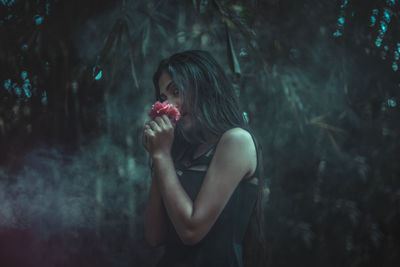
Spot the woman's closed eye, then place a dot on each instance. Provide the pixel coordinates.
(175, 93)
(175, 90)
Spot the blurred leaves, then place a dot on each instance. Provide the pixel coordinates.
(131, 53)
(111, 39)
(324, 108)
(232, 59)
(320, 122)
(200, 5)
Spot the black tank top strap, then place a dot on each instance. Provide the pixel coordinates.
(205, 159)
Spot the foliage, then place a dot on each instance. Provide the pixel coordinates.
(318, 80)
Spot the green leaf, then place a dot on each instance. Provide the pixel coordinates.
(105, 53)
(146, 38)
(195, 4)
(233, 20)
(162, 31)
(131, 53)
(115, 57)
(233, 61)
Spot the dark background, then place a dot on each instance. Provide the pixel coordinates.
(318, 80)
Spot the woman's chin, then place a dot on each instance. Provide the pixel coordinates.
(185, 127)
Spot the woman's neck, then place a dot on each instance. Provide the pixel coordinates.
(210, 137)
(200, 149)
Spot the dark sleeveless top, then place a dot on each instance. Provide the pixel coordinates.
(222, 245)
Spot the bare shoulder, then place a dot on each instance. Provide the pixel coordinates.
(236, 132)
(237, 136)
(240, 142)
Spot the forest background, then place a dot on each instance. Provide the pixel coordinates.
(317, 80)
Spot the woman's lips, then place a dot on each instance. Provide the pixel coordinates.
(183, 117)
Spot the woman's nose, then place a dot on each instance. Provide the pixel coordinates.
(173, 103)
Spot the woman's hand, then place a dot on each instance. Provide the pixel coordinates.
(158, 136)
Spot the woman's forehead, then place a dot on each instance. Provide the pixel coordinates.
(164, 80)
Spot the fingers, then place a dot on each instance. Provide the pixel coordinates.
(160, 122)
(166, 120)
(154, 126)
(147, 130)
(145, 137)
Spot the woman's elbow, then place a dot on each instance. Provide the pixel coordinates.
(190, 241)
(154, 238)
(190, 238)
(154, 242)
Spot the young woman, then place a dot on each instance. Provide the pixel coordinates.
(206, 191)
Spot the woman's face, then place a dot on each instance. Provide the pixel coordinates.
(169, 91)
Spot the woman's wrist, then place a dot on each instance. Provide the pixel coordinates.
(160, 155)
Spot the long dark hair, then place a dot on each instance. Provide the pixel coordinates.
(215, 107)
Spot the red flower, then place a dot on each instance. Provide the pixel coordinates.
(159, 109)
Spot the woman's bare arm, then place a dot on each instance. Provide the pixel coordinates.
(155, 217)
(233, 158)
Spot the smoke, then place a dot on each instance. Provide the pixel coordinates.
(326, 113)
(97, 193)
